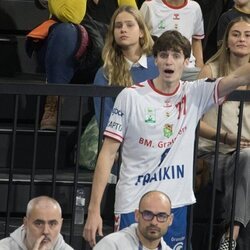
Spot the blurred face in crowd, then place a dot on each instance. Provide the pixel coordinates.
(242, 3)
(153, 217)
(126, 31)
(239, 39)
(42, 225)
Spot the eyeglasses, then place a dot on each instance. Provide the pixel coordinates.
(149, 216)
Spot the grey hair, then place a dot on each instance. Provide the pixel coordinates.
(35, 201)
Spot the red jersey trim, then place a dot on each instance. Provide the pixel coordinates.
(218, 100)
(175, 7)
(151, 84)
(113, 135)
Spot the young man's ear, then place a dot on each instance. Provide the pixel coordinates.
(186, 62)
(156, 61)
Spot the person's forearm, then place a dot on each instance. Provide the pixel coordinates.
(103, 168)
(197, 52)
(210, 133)
(237, 78)
(100, 181)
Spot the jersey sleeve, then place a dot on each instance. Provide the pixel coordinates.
(206, 91)
(199, 24)
(145, 11)
(119, 117)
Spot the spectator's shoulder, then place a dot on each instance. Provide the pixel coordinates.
(68, 247)
(148, 2)
(194, 4)
(100, 77)
(132, 90)
(6, 244)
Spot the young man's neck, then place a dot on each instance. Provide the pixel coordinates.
(165, 87)
(146, 243)
(176, 3)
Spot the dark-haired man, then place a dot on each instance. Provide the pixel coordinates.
(156, 126)
(153, 218)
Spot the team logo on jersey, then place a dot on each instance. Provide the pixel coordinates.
(116, 111)
(169, 108)
(176, 16)
(162, 25)
(150, 116)
(168, 130)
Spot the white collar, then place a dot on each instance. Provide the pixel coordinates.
(141, 62)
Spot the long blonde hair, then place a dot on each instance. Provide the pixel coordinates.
(222, 56)
(115, 66)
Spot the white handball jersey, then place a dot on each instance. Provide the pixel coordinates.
(187, 19)
(157, 133)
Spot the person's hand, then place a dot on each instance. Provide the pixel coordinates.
(244, 143)
(42, 243)
(231, 140)
(93, 225)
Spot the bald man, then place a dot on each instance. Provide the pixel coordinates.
(153, 219)
(41, 228)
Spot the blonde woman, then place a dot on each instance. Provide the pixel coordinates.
(234, 52)
(127, 55)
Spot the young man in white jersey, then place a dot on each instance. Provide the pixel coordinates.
(153, 218)
(184, 16)
(155, 122)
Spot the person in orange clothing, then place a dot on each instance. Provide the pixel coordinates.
(56, 58)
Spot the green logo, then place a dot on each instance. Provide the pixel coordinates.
(150, 115)
(168, 130)
(162, 25)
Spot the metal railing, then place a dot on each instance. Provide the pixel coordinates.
(8, 175)
(241, 97)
